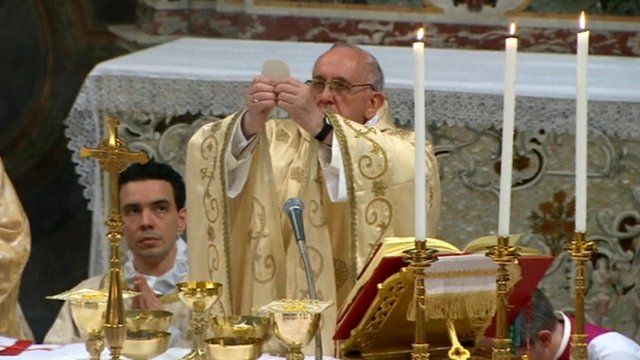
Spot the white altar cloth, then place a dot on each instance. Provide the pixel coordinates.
(464, 87)
(77, 352)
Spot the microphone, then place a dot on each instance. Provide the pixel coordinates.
(293, 207)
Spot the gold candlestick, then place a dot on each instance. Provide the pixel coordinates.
(420, 259)
(580, 250)
(114, 156)
(503, 255)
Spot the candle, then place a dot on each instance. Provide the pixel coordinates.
(508, 120)
(419, 123)
(582, 54)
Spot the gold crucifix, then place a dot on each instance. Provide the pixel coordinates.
(114, 156)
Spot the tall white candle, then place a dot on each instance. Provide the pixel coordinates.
(582, 54)
(419, 123)
(508, 120)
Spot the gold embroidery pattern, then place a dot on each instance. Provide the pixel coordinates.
(379, 188)
(316, 215)
(341, 272)
(401, 133)
(298, 174)
(213, 254)
(209, 145)
(282, 136)
(338, 131)
(372, 166)
(376, 163)
(263, 268)
(379, 213)
(221, 207)
(208, 149)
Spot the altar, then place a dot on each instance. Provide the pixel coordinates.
(159, 93)
(77, 351)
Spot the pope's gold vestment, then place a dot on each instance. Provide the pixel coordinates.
(246, 242)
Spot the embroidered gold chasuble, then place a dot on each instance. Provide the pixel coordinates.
(15, 247)
(247, 243)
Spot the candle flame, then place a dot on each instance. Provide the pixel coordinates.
(512, 29)
(583, 20)
(420, 34)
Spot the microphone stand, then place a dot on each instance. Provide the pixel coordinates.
(293, 207)
(302, 246)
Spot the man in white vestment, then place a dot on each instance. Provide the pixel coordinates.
(544, 334)
(152, 198)
(340, 153)
(15, 247)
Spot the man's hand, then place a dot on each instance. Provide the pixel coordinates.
(296, 98)
(147, 299)
(260, 99)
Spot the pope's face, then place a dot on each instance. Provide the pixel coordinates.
(151, 219)
(347, 65)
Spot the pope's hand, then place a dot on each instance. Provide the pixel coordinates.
(260, 99)
(297, 99)
(147, 299)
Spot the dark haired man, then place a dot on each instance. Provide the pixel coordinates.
(152, 199)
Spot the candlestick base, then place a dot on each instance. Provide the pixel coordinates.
(501, 349)
(578, 347)
(503, 255)
(420, 259)
(420, 352)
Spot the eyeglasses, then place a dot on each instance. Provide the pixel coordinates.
(337, 87)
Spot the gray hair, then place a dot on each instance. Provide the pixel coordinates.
(374, 72)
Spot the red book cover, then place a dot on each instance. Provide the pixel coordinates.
(350, 317)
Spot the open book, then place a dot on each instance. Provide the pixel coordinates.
(460, 285)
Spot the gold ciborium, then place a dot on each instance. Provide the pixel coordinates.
(198, 296)
(234, 349)
(295, 323)
(145, 344)
(238, 337)
(139, 319)
(88, 308)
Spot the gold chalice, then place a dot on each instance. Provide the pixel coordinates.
(87, 310)
(238, 337)
(145, 344)
(198, 296)
(295, 323)
(88, 315)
